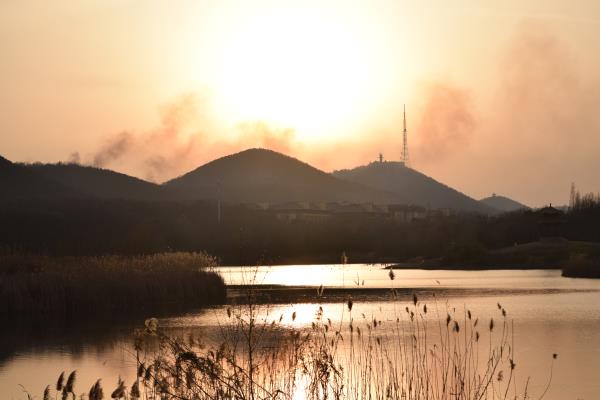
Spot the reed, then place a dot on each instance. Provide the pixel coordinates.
(428, 352)
(90, 286)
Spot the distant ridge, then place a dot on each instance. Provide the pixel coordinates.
(4, 163)
(250, 176)
(502, 203)
(18, 182)
(411, 187)
(100, 183)
(260, 175)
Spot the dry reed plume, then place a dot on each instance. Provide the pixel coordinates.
(80, 286)
(428, 352)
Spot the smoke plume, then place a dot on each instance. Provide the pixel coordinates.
(185, 138)
(446, 123)
(114, 149)
(530, 139)
(542, 130)
(536, 132)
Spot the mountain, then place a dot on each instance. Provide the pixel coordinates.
(259, 175)
(410, 186)
(251, 176)
(4, 163)
(503, 204)
(99, 183)
(18, 182)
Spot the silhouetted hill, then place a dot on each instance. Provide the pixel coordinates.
(100, 183)
(259, 175)
(410, 186)
(503, 204)
(4, 163)
(17, 182)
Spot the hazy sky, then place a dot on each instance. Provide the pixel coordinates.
(502, 96)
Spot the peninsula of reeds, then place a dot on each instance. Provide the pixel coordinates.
(108, 285)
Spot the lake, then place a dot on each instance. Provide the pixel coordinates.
(551, 314)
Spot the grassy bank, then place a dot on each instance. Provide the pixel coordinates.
(541, 254)
(88, 286)
(582, 266)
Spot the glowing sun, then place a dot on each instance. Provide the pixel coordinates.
(304, 70)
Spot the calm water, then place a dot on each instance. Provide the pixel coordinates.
(551, 314)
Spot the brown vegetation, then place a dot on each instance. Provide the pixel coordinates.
(434, 352)
(78, 286)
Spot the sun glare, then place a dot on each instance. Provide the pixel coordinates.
(309, 72)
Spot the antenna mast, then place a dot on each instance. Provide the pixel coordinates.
(404, 140)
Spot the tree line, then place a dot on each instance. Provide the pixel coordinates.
(244, 236)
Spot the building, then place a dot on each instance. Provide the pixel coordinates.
(402, 213)
(551, 222)
(301, 211)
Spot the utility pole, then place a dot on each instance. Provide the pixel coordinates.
(219, 202)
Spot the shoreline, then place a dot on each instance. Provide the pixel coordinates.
(282, 294)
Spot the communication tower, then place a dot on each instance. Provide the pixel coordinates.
(404, 140)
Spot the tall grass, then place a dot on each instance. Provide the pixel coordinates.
(427, 352)
(89, 286)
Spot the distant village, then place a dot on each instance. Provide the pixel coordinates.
(320, 211)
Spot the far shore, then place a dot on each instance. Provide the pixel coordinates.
(282, 294)
(572, 257)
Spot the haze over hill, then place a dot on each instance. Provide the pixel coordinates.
(259, 175)
(502, 203)
(410, 186)
(98, 182)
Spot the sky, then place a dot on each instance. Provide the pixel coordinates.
(501, 97)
